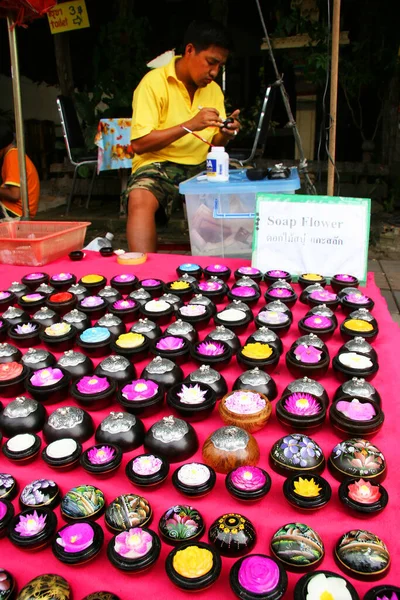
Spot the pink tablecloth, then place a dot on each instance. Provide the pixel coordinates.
(268, 514)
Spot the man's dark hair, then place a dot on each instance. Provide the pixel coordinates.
(203, 34)
(6, 133)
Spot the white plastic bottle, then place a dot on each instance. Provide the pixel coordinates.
(100, 242)
(217, 164)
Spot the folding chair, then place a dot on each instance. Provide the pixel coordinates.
(73, 138)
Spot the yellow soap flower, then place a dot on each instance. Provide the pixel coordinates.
(92, 279)
(130, 340)
(257, 351)
(179, 285)
(306, 487)
(358, 325)
(193, 562)
(312, 276)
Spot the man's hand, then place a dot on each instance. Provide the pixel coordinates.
(232, 129)
(206, 117)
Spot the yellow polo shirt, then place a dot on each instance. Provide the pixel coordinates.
(161, 101)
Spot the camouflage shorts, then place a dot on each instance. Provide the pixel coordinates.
(162, 179)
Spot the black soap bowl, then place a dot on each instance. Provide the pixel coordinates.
(145, 407)
(216, 361)
(304, 503)
(53, 393)
(197, 411)
(41, 539)
(94, 400)
(178, 355)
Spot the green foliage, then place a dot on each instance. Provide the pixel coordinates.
(119, 63)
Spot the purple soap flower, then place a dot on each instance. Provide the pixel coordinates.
(124, 304)
(345, 278)
(272, 317)
(394, 596)
(92, 385)
(101, 456)
(3, 510)
(170, 342)
(76, 537)
(62, 276)
(258, 574)
(278, 274)
(140, 389)
(318, 322)
(210, 348)
(25, 328)
(133, 543)
(217, 268)
(92, 301)
(125, 278)
(307, 354)
(248, 271)
(357, 298)
(248, 478)
(323, 296)
(302, 404)
(244, 291)
(4, 295)
(210, 286)
(356, 410)
(31, 524)
(33, 276)
(280, 293)
(148, 464)
(33, 297)
(150, 282)
(44, 377)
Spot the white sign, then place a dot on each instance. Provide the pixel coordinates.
(312, 234)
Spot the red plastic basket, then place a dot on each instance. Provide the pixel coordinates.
(36, 243)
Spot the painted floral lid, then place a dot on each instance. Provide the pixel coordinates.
(297, 452)
(357, 457)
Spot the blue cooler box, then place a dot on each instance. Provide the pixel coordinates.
(221, 215)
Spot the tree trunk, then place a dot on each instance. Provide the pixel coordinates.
(64, 64)
(391, 122)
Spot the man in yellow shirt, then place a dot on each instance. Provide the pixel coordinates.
(181, 94)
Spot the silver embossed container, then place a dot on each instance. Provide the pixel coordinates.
(121, 428)
(68, 422)
(172, 438)
(22, 415)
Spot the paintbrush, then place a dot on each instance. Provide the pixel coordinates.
(198, 136)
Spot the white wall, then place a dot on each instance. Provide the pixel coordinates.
(38, 100)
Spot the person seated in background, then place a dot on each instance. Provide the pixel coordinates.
(10, 192)
(181, 94)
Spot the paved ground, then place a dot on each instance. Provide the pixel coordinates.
(104, 216)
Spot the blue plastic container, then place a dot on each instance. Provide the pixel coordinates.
(221, 215)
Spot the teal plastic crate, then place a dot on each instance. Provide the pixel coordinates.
(221, 215)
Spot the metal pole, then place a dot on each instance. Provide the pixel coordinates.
(19, 122)
(334, 88)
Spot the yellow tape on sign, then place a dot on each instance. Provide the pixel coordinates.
(68, 16)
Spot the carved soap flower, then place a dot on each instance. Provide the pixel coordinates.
(101, 456)
(61, 297)
(258, 575)
(345, 277)
(302, 404)
(179, 285)
(94, 335)
(217, 268)
(148, 464)
(323, 296)
(58, 329)
(321, 586)
(3, 512)
(248, 478)
(133, 543)
(273, 317)
(170, 342)
(10, 370)
(140, 389)
(249, 271)
(257, 351)
(23, 328)
(92, 278)
(192, 310)
(124, 304)
(244, 291)
(62, 276)
(44, 377)
(307, 487)
(357, 298)
(130, 340)
(4, 295)
(307, 354)
(92, 384)
(157, 306)
(193, 562)
(191, 394)
(210, 348)
(312, 276)
(394, 596)
(318, 322)
(277, 273)
(358, 325)
(355, 361)
(32, 297)
(30, 524)
(210, 286)
(364, 492)
(356, 410)
(245, 402)
(280, 293)
(76, 537)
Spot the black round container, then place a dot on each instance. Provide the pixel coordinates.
(192, 411)
(145, 406)
(55, 392)
(135, 565)
(97, 400)
(76, 364)
(59, 343)
(122, 429)
(16, 384)
(94, 459)
(68, 422)
(22, 415)
(25, 335)
(125, 283)
(307, 503)
(177, 355)
(147, 470)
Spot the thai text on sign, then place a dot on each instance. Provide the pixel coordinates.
(68, 16)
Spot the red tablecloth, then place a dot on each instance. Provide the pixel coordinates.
(269, 513)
